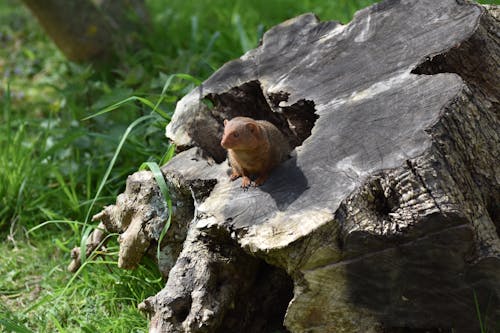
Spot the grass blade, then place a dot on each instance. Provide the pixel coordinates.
(478, 312)
(12, 326)
(155, 169)
(113, 160)
(120, 103)
(244, 41)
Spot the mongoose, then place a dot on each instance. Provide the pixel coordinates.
(254, 148)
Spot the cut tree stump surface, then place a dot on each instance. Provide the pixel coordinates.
(386, 215)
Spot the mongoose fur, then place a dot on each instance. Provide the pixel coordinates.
(254, 148)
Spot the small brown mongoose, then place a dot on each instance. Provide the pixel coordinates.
(254, 148)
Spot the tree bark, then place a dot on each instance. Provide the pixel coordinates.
(90, 31)
(385, 218)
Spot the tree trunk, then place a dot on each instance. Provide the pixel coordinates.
(385, 218)
(90, 31)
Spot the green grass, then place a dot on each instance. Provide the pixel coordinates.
(40, 295)
(61, 159)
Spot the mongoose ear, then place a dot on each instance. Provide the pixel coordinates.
(225, 122)
(252, 127)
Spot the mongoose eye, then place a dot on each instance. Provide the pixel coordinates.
(236, 134)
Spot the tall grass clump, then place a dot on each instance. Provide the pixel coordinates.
(15, 156)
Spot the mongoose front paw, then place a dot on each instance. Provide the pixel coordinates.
(245, 183)
(260, 180)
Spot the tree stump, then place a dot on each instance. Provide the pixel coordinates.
(386, 216)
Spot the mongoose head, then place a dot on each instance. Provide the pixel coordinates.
(241, 133)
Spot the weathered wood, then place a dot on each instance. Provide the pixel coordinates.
(386, 216)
